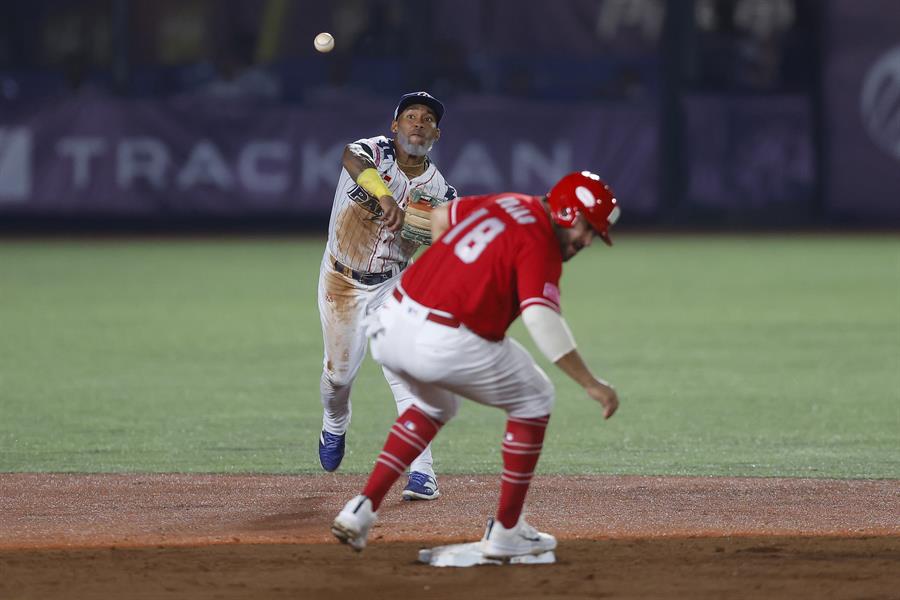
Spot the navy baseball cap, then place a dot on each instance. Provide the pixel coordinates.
(420, 98)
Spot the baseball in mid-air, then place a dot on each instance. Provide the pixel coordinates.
(324, 42)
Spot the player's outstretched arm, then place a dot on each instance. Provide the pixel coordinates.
(362, 170)
(554, 339)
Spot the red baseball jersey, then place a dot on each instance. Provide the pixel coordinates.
(498, 256)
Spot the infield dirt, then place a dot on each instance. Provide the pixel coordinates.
(215, 536)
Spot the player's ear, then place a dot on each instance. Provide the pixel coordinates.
(394, 126)
(437, 134)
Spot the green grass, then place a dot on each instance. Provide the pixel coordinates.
(760, 356)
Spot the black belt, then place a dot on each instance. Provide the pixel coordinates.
(362, 277)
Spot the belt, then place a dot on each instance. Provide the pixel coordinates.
(432, 316)
(363, 277)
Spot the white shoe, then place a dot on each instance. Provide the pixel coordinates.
(352, 525)
(523, 539)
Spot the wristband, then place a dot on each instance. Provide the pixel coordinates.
(372, 182)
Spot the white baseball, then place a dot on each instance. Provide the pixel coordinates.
(324, 42)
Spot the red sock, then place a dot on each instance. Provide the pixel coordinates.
(410, 433)
(522, 445)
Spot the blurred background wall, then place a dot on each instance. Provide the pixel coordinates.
(700, 113)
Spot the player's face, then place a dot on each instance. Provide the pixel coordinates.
(576, 238)
(416, 129)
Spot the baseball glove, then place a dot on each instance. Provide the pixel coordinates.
(417, 225)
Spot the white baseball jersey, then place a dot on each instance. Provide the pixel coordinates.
(357, 236)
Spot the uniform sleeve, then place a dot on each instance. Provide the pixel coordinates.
(369, 146)
(537, 274)
(450, 192)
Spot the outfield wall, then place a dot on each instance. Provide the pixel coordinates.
(101, 156)
(687, 130)
(104, 156)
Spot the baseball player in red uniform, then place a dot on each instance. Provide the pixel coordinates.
(363, 260)
(443, 333)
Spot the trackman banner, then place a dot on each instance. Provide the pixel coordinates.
(105, 156)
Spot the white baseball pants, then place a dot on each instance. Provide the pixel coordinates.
(440, 364)
(343, 304)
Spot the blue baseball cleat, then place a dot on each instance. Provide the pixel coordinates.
(421, 486)
(331, 450)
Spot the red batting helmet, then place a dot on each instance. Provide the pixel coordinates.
(587, 194)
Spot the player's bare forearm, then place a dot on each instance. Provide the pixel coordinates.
(573, 365)
(356, 161)
(440, 221)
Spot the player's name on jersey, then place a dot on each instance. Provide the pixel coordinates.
(514, 208)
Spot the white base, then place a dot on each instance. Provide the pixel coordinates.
(469, 555)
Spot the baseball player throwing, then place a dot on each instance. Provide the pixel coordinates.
(368, 247)
(442, 332)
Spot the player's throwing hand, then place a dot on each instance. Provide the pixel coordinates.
(393, 214)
